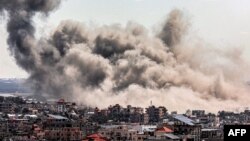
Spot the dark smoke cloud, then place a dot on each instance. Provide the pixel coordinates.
(21, 31)
(114, 64)
(174, 28)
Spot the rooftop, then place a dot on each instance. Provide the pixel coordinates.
(172, 136)
(57, 117)
(184, 119)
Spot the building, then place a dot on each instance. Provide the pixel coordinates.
(155, 114)
(7, 107)
(61, 106)
(186, 128)
(198, 113)
(118, 132)
(211, 134)
(57, 128)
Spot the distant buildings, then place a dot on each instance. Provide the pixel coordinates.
(27, 119)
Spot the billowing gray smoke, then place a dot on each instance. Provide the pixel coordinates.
(174, 28)
(21, 31)
(126, 65)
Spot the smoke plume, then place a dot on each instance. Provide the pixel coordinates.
(126, 65)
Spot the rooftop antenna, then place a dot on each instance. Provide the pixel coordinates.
(151, 103)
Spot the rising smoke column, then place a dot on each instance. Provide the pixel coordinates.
(21, 40)
(113, 64)
(174, 28)
(21, 31)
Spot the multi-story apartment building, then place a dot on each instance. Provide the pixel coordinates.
(59, 128)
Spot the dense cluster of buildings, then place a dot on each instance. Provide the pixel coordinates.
(26, 119)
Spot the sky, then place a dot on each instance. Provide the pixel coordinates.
(220, 22)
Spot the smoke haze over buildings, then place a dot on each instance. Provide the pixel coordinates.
(99, 66)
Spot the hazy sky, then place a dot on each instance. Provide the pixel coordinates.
(220, 22)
